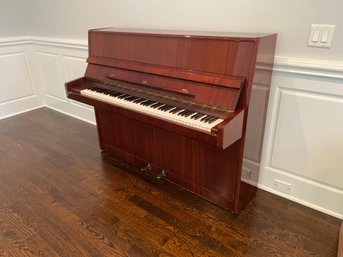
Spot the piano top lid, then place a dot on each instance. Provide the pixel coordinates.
(186, 34)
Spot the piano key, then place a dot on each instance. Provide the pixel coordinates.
(148, 103)
(182, 112)
(156, 105)
(212, 120)
(139, 100)
(114, 94)
(172, 113)
(131, 98)
(209, 118)
(198, 116)
(123, 96)
(176, 110)
(189, 114)
(166, 107)
(205, 118)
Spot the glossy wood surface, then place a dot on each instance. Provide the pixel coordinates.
(215, 71)
(223, 96)
(224, 56)
(60, 197)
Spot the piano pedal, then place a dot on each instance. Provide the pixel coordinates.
(147, 168)
(162, 174)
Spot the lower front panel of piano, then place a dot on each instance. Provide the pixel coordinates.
(201, 168)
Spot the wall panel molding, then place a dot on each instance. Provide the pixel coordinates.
(303, 145)
(60, 62)
(19, 91)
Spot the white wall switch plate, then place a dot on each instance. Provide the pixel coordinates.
(321, 35)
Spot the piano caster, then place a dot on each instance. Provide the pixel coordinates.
(162, 174)
(147, 168)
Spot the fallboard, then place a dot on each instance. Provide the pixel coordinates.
(222, 94)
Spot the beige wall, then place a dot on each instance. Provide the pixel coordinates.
(290, 19)
(12, 18)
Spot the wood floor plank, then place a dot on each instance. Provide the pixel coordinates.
(60, 196)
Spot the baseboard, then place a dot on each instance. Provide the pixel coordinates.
(302, 202)
(21, 112)
(71, 115)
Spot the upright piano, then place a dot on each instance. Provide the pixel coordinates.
(176, 103)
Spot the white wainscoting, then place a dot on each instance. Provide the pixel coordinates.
(58, 63)
(19, 92)
(302, 154)
(302, 157)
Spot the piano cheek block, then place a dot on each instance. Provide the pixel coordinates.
(230, 130)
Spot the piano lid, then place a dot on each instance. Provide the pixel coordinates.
(184, 33)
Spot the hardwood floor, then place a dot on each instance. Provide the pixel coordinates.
(59, 196)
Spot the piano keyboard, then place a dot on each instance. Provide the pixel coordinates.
(179, 115)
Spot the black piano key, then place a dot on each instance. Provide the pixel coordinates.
(148, 103)
(205, 118)
(183, 112)
(145, 102)
(151, 104)
(156, 105)
(136, 98)
(140, 100)
(115, 94)
(172, 109)
(97, 89)
(131, 98)
(119, 94)
(161, 107)
(197, 115)
(212, 120)
(105, 90)
(166, 108)
(175, 110)
(123, 96)
(189, 113)
(94, 88)
(209, 118)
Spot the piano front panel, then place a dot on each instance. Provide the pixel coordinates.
(172, 153)
(121, 132)
(221, 56)
(196, 166)
(152, 50)
(203, 55)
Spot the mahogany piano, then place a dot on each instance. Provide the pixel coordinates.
(176, 104)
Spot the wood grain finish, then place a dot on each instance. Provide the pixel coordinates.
(216, 71)
(59, 196)
(225, 95)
